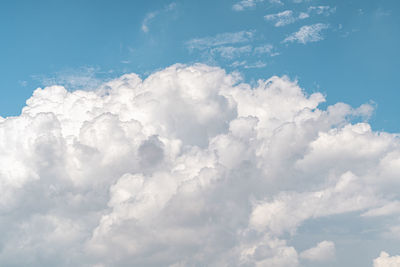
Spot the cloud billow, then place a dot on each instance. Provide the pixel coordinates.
(189, 166)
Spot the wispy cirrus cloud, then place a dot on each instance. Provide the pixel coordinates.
(231, 47)
(242, 5)
(88, 78)
(247, 4)
(255, 65)
(147, 19)
(289, 16)
(231, 52)
(246, 65)
(220, 39)
(285, 17)
(321, 10)
(151, 15)
(267, 49)
(307, 34)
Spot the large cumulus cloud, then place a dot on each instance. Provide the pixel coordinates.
(384, 260)
(187, 167)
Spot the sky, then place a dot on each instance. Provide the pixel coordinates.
(352, 58)
(199, 133)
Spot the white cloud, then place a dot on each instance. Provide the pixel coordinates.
(187, 167)
(85, 78)
(385, 260)
(246, 4)
(266, 49)
(246, 65)
(151, 15)
(236, 64)
(387, 209)
(228, 46)
(240, 6)
(285, 17)
(146, 20)
(289, 210)
(288, 16)
(323, 251)
(307, 34)
(321, 10)
(231, 52)
(220, 40)
(256, 65)
(231, 46)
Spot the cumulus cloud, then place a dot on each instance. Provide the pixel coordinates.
(323, 251)
(307, 34)
(385, 260)
(190, 166)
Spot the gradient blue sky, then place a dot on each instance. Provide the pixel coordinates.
(353, 58)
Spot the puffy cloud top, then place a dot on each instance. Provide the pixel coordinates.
(385, 260)
(324, 250)
(187, 167)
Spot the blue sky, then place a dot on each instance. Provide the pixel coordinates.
(354, 59)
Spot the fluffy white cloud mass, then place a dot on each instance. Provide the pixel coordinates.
(189, 167)
(384, 260)
(324, 250)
